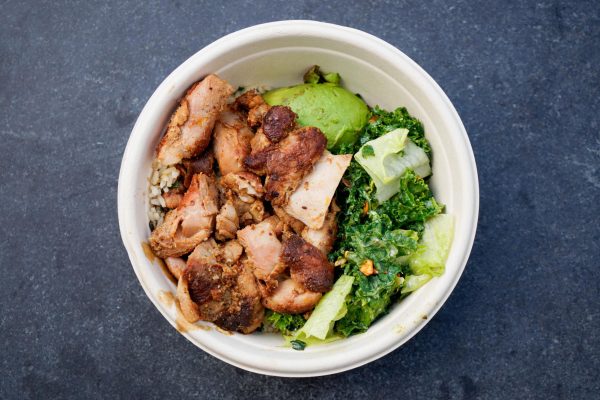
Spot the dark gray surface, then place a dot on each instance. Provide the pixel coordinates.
(523, 322)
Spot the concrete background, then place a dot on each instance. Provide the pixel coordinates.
(523, 322)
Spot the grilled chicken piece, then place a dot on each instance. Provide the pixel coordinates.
(210, 252)
(289, 221)
(230, 252)
(250, 213)
(290, 297)
(172, 198)
(254, 105)
(245, 185)
(231, 142)
(189, 130)
(308, 265)
(324, 237)
(262, 246)
(205, 252)
(244, 190)
(286, 163)
(228, 222)
(176, 266)
(310, 202)
(190, 223)
(259, 142)
(225, 295)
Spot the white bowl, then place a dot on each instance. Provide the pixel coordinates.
(276, 54)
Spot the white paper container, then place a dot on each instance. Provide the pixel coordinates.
(277, 54)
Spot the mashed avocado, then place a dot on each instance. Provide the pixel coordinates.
(339, 114)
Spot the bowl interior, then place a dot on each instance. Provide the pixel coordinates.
(276, 55)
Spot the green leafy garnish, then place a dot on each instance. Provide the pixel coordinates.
(315, 75)
(298, 345)
(285, 323)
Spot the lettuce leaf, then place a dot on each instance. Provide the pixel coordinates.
(384, 149)
(330, 308)
(434, 247)
(388, 157)
(414, 282)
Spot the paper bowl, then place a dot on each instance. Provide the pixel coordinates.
(276, 54)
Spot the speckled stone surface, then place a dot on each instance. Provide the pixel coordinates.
(523, 322)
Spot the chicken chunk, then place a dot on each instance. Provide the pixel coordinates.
(290, 297)
(310, 202)
(190, 128)
(254, 105)
(176, 266)
(190, 223)
(308, 265)
(262, 247)
(245, 185)
(225, 295)
(244, 190)
(286, 163)
(289, 221)
(231, 142)
(172, 199)
(205, 253)
(259, 142)
(228, 222)
(324, 237)
(230, 252)
(210, 252)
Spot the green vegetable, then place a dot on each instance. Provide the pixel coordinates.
(413, 282)
(388, 250)
(383, 122)
(315, 75)
(321, 102)
(387, 232)
(434, 247)
(412, 205)
(387, 235)
(384, 148)
(298, 345)
(330, 308)
(432, 252)
(285, 323)
(394, 154)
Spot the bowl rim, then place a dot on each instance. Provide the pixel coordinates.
(282, 28)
